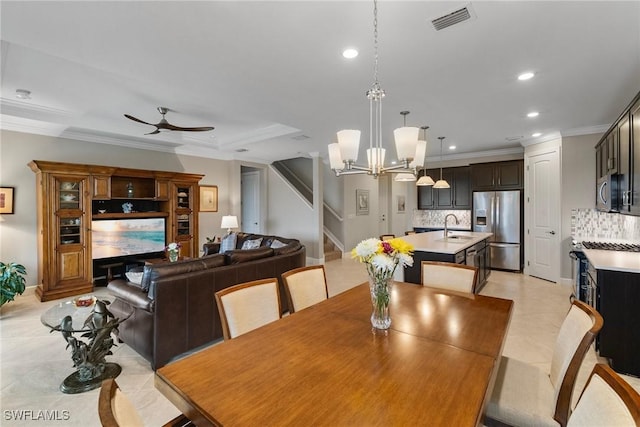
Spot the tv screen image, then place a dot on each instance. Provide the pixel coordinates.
(122, 237)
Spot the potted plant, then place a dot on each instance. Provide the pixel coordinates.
(12, 281)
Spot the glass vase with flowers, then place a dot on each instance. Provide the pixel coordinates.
(381, 259)
(173, 251)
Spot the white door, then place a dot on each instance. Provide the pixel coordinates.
(543, 208)
(250, 202)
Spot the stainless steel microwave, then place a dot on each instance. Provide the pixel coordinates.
(607, 194)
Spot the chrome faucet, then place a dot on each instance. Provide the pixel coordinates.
(446, 232)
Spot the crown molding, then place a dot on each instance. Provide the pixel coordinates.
(588, 130)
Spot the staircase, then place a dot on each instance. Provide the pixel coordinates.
(330, 250)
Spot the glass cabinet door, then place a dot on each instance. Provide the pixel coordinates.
(70, 213)
(70, 193)
(70, 230)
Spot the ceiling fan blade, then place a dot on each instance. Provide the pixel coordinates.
(137, 120)
(198, 129)
(154, 132)
(169, 126)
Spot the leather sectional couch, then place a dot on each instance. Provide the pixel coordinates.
(173, 309)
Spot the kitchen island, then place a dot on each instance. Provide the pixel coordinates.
(461, 247)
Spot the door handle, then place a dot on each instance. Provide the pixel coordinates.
(551, 232)
(601, 192)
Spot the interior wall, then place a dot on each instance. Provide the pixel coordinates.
(359, 227)
(289, 214)
(578, 186)
(18, 242)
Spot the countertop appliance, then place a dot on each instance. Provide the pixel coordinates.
(499, 212)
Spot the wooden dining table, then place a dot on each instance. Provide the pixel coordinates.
(326, 365)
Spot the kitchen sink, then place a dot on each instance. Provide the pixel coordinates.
(458, 237)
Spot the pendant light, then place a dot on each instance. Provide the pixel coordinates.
(441, 183)
(425, 180)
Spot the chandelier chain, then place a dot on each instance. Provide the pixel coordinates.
(375, 43)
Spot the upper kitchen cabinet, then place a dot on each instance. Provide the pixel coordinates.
(633, 198)
(497, 176)
(618, 159)
(458, 196)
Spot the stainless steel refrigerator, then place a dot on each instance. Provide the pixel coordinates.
(498, 212)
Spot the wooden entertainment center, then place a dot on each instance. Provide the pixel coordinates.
(69, 196)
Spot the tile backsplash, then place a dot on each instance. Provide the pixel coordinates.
(435, 219)
(590, 224)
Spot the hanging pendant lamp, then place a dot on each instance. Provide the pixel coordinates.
(441, 183)
(425, 180)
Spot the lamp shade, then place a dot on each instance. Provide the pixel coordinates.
(375, 157)
(418, 159)
(349, 143)
(229, 221)
(335, 159)
(406, 139)
(425, 181)
(405, 177)
(441, 183)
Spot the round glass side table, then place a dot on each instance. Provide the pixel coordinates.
(86, 324)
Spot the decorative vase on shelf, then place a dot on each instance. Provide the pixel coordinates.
(173, 256)
(380, 298)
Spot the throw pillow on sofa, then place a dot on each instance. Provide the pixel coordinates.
(251, 244)
(228, 243)
(277, 244)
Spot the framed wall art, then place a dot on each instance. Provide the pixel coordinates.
(208, 198)
(362, 202)
(6, 200)
(401, 204)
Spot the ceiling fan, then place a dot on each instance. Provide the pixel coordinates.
(165, 125)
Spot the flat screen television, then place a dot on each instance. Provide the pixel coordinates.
(123, 237)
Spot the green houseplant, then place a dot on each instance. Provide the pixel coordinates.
(12, 281)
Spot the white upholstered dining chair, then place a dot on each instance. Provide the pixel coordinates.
(525, 395)
(305, 286)
(116, 410)
(449, 276)
(247, 306)
(607, 400)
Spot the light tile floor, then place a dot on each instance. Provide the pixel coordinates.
(33, 362)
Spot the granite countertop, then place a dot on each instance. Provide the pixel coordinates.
(434, 241)
(613, 260)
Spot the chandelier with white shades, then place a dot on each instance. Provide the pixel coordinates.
(411, 152)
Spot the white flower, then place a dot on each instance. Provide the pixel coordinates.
(405, 260)
(173, 246)
(382, 262)
(367, 248)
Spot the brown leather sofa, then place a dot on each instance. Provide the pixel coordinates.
(173, 310)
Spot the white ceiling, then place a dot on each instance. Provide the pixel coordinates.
(271, 79)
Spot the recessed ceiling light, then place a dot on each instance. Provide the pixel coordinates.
(533, 114)
(350, 53)
(535, 135)
(526, 76)
(452, 147)
(23, 94)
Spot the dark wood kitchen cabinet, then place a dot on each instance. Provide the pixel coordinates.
(628, 130)
(619, 339)
(618, 156)
(458, 196)
(507, 175)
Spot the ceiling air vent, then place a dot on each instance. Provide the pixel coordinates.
(453, 18)
(300, 137)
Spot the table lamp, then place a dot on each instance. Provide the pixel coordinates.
(229, 222)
